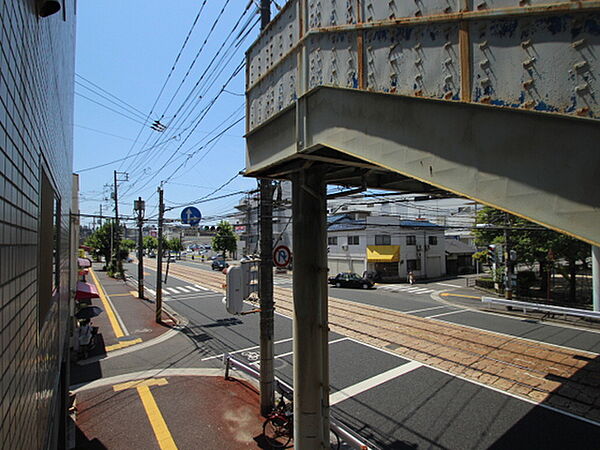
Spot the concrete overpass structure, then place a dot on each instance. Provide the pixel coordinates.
(495, 100)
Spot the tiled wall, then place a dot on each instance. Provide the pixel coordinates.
(36, 116)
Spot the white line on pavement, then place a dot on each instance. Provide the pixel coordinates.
(449, 285)
(372, 382)
(422, 309)
(152, 291)
(171, 290)
(243, 350)
(202, 287)
(186, 289)
(283, 355)
(447, 313)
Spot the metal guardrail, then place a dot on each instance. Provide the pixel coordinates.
(345, 434)
(548, 309)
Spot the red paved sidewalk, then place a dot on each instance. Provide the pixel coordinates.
(194, 412)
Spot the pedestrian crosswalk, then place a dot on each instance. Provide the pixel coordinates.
(412, 289)
(181, 290)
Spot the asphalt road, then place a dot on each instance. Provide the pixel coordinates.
(394, 402)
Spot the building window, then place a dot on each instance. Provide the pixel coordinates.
(383, 239)
(353, 240)
(432, 240)
(411, 240)
(332, 240)
(49, 249)
(413, 265)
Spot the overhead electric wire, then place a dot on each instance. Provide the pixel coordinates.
(212, 28)
(127, 106)
(137, 120)
(171, 123)
(207, 109)
(122, 159)
(168, 77)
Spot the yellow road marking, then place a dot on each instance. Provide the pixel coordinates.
(122, 295)
(133, 293)
(112, 318)
(159, 426)
(110, 348)
(447, 294)
(137, 383)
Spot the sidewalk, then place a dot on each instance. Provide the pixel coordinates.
(127, 320)
(163, 408)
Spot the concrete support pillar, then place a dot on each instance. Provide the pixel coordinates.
(596, 277)
(311, 352)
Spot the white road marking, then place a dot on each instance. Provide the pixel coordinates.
(152, 291)
(171, 290)
(447, 313)
(242, 350)
(449, 285)
(422, 309)
(185, 289)
(201, 287)
(283, 355)
(372, 382)
(422, 291)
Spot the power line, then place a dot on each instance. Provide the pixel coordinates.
(122, 159)
(128, 106)
(168, 77)
(109, 108)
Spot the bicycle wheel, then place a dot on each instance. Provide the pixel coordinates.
(334, 440)
(276, 430)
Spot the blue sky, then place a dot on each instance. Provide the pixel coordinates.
(127, 49)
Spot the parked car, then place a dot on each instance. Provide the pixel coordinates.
(219, 264)
(351, 280)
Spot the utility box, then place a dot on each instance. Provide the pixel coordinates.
(234, 292)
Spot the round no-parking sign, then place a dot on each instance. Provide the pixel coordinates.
(282, 256)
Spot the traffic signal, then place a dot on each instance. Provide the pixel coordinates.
(234, 293)
(242, 281)
(491, 254)
(249, 277)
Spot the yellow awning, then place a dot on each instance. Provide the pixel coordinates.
(383, 253)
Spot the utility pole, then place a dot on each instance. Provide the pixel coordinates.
(267, 378)
(596, 277)
(117, 230)
(509, 281)
(161, 212)
(139, 206)
(116, 239)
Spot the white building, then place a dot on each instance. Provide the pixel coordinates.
(389, 246)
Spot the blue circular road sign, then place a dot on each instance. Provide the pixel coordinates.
(191, 215)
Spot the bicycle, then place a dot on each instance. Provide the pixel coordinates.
(278, 428)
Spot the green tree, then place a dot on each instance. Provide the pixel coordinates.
(174, 245)
(150, 243)
(225, 239)
(534, 244)
(100, 241)
(128, 244)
